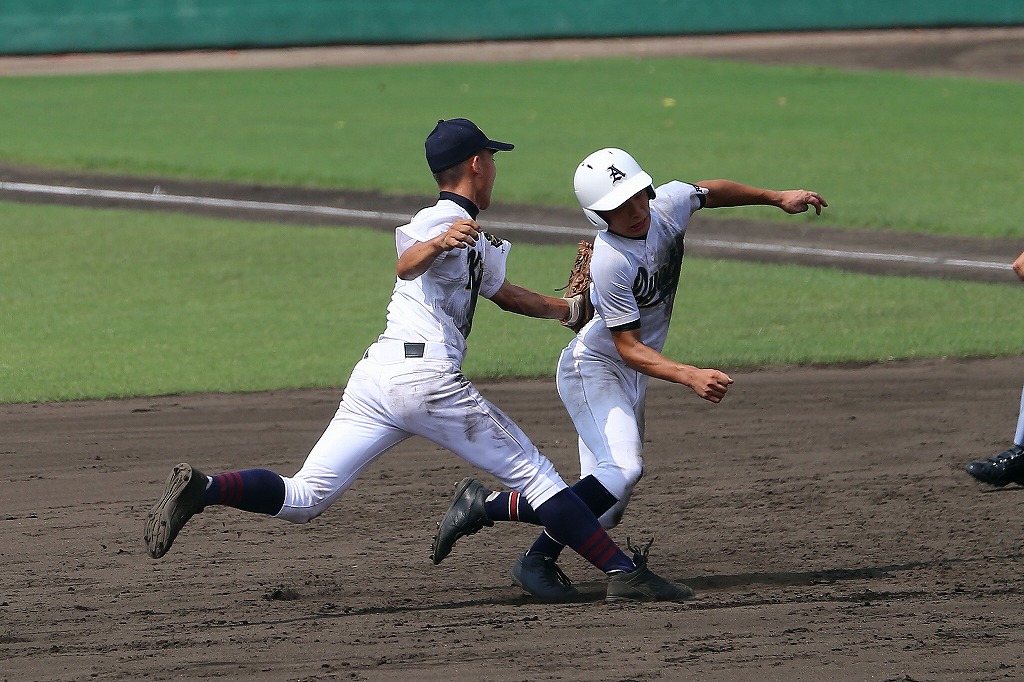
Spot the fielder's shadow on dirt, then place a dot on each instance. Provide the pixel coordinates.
(333, 611)
(807, 578)
(594, 591)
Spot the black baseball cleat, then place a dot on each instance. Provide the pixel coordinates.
(642, 584)
(465, 516)
(184, 497)
(540, 577)
(1006, 467)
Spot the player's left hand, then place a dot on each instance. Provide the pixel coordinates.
(711, 384)
(799, 200)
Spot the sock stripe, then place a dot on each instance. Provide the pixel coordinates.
(231, 488)
(592, 545)
(599, 549)
(238, 488)
(605, 556)
(513, 506)
(226, 488)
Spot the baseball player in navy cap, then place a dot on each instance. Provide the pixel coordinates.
(452, 142)
(409, 382)
(603, 372)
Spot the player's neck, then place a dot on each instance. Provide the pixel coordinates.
(469, 205)
(474, 186)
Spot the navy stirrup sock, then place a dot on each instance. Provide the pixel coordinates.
(510, 507)
(595, 496)
(254, 490)
(570, 521)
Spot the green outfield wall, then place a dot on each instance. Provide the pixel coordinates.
(56, 26)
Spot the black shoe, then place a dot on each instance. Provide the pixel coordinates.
(184, 497)
(465, 516)
(1006, 467)
(540, 577)
(642, 584)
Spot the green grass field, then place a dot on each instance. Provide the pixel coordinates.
(110, 303)
(887, 150)
(105, 303)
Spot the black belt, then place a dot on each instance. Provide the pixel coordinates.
(414, 350)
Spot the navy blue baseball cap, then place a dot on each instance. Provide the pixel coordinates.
(455, 140)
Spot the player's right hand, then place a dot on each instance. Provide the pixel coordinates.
(462, 233)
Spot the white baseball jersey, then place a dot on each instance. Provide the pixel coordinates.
(635, 280)
(410, 382)
(438, 306)
(634, 287)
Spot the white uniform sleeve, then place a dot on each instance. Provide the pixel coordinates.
(403, 240)
(422, 228)
(612, 277)
(677, 201)
(495, 252)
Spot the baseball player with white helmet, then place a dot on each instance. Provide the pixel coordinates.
(603, 372)
(410, 382)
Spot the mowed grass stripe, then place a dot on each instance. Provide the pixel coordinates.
(892, 151)
(107, 303)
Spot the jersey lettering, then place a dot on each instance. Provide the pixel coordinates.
(476, 271)
(475, 266)
(652, 289)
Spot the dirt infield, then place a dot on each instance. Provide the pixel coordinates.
(822, 514)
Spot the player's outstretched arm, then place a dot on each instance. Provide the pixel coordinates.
(516, 299)
(723, 193)
(709, 384)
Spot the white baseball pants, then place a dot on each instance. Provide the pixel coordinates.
(389, 398)
(606, 402)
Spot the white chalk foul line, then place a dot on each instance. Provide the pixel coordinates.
(212, 202)
(183, 200)
(157, 197)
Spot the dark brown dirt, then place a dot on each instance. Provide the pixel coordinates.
(822, 514)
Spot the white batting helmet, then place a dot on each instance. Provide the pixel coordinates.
(606, 179)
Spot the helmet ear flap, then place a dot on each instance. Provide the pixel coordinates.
(594, 219)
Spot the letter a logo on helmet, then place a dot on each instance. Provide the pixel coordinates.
(607, 179)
